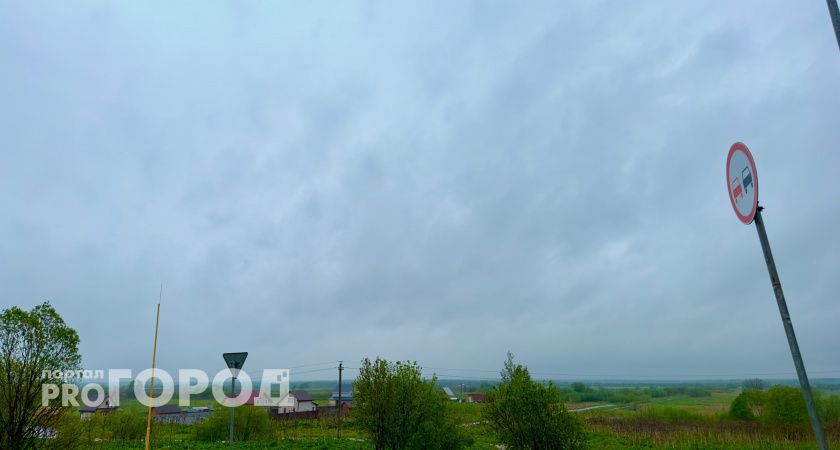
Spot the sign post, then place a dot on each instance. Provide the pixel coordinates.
(234, 362)
(742, 184)
(834, 11)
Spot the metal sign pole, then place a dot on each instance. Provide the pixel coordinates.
(232, 396)
(234, 362)
(791, 336)
(834, 11)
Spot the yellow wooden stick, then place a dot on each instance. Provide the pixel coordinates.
(152, 387)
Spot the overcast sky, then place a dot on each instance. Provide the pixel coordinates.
(436, 181)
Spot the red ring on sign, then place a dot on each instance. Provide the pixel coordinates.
(735, 147)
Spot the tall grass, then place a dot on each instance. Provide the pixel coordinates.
(676, 428)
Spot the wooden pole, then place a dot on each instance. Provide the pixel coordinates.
(152, 379)
(338, 412)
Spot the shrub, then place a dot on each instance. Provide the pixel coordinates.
(830, 409)
(748, 405)
(250, 423)
(125, 425)
(784, 405)
(69, 434)
(528, 415)
(400, 410)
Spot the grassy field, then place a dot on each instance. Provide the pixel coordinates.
(683, 422)
(308, 444)
(718, 402)
(696, 420)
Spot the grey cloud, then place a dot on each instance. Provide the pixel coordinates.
(424, 183)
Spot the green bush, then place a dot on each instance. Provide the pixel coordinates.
(748, 405)
(250, 423)
(784, 405)
(527, 415)
(93, 430)
(124, 425)
(830, 409)
(68, 430)
(400, 410)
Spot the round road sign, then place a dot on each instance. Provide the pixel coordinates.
(742, 182)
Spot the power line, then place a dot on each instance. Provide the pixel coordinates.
(314, 370)
(464, 377)
(313, 364)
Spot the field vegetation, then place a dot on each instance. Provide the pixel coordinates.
(396, 408)
(777, 420)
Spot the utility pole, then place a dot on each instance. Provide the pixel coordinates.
(835, 18)
(338, 402)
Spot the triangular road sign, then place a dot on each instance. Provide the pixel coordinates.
(235, 361)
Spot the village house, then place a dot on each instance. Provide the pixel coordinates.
(197, 414)
(476, 398)
(448, 391)
(256, 398)
(174, 414)
(346, 399)
(168, 414)
(302, 402)
(103, 407)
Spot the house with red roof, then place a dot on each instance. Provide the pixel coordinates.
(476, 398)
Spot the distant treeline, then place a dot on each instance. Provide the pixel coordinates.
(580, 392)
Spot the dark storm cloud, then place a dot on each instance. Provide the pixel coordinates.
(322, 183)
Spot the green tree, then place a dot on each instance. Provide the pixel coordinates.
(31, 343)
(754, 384)
(401, 410)
(527, 415)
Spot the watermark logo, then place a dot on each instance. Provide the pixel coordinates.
(273, 387)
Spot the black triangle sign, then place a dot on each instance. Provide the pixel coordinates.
(235, 361)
